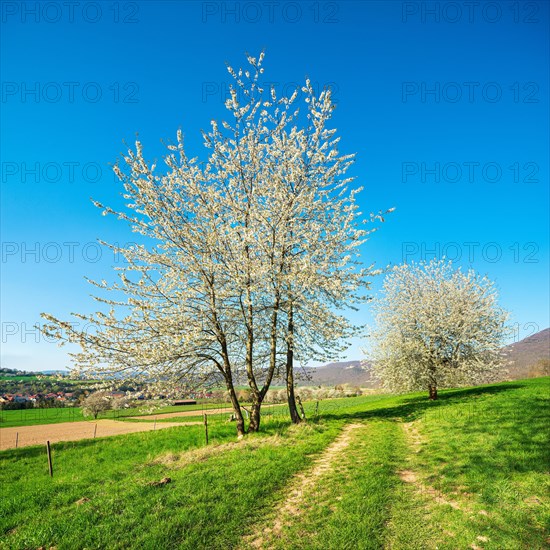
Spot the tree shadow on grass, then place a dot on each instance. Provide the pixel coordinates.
(415, 407)
(513, 428)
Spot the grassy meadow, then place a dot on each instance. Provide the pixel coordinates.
(467, 471)
(54, 415)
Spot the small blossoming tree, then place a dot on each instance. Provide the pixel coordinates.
(97, 402)
(436, 327)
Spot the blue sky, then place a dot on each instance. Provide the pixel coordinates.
(447, 111)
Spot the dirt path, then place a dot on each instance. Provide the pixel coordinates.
(73, 431)
(414, 440)
(302, 484)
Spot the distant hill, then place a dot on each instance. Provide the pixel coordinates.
(525, 354)
(345, 372)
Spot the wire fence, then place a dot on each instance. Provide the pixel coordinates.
(63, 425)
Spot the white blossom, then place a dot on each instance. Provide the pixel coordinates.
(247, 261)
(437, 327)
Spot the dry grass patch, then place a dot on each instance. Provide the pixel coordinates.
(414, 439)
(202, 454)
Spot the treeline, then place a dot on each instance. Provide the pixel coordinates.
(40, 403)
(37, 386)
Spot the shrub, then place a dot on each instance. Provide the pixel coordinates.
(244, 396)
(97, 402)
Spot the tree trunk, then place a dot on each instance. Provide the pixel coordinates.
(432, 382)
(303, 415)
(257, 394)
(254, 425)
(236, 407)
(293, 410)
(226, 368)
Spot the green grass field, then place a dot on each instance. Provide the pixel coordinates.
(17, 378)
(32, 417)
(467, 471)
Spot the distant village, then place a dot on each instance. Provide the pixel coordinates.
(38, 398)
(25, 390)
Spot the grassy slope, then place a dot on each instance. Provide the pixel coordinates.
(482, 463)
(489, 452)
(481, 448)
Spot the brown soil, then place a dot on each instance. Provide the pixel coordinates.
(73, 431)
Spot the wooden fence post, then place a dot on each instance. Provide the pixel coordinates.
(49, 458)
(16, 439)
(95, 429)
(205, 427)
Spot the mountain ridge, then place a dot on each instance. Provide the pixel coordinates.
(524, 358)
